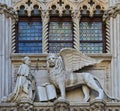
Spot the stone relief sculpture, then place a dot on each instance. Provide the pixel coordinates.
(24, 87)
(45, 91)
(61, 71)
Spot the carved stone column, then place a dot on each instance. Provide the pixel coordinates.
(61, 105)
(6, 16)
(25, 105)
(108, 36)
(45, 20)
(98, 105)
(113, 15)
(76, 20)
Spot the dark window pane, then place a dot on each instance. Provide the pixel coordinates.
(29, 37)
(29, 47)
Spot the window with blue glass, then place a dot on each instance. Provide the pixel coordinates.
(60, 34)
(29, 35)
(29, 31)
(92, 35)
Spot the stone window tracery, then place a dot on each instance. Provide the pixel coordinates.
(92, 29)
(29, 28)
(74, 9)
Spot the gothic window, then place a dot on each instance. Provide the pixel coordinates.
(92, 29)
(60, 33)
(92, 35)
(29, 32)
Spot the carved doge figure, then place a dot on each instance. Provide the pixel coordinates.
(61, 71)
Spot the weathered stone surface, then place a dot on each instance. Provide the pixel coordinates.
(96, 105)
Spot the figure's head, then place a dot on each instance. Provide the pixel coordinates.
(26, 60)
(51, 59)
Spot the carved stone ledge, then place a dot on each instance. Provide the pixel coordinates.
(98, 105)
(61, 105)
(25, 105)
(111, 12)
(8, 11)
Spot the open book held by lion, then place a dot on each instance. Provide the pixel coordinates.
(61, 69)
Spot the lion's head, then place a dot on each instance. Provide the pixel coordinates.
(51, 59)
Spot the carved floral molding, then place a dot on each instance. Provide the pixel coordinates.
(111, 12)
(8, 12)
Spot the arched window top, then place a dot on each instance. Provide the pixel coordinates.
(28, 7)
(91, 7)
(62, 7)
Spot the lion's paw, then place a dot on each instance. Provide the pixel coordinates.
(61, 98)
(86, 99)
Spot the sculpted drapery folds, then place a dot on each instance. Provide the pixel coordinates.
(24, 83)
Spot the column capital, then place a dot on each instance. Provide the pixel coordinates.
(111, 12)
(8, 12)
(45, 15)
(76, 15)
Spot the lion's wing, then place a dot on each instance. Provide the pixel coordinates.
(75, 60)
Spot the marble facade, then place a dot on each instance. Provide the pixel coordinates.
(107, 71)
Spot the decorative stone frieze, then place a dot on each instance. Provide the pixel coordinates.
(98, 105)
(25, 105)
(111, 12)
(8, 12)
(49, 106)
(91, 5)
(62, 105)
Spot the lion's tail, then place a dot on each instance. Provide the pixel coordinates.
(107, 95)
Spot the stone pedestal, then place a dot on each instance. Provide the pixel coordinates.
(25, 105)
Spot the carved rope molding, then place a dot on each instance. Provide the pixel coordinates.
(108, 36)
(111, 12)
(76, 20)
(13, 37)
(45, 20)
(8, 12)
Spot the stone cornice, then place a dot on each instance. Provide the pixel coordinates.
(111, 12)
(8, 12)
